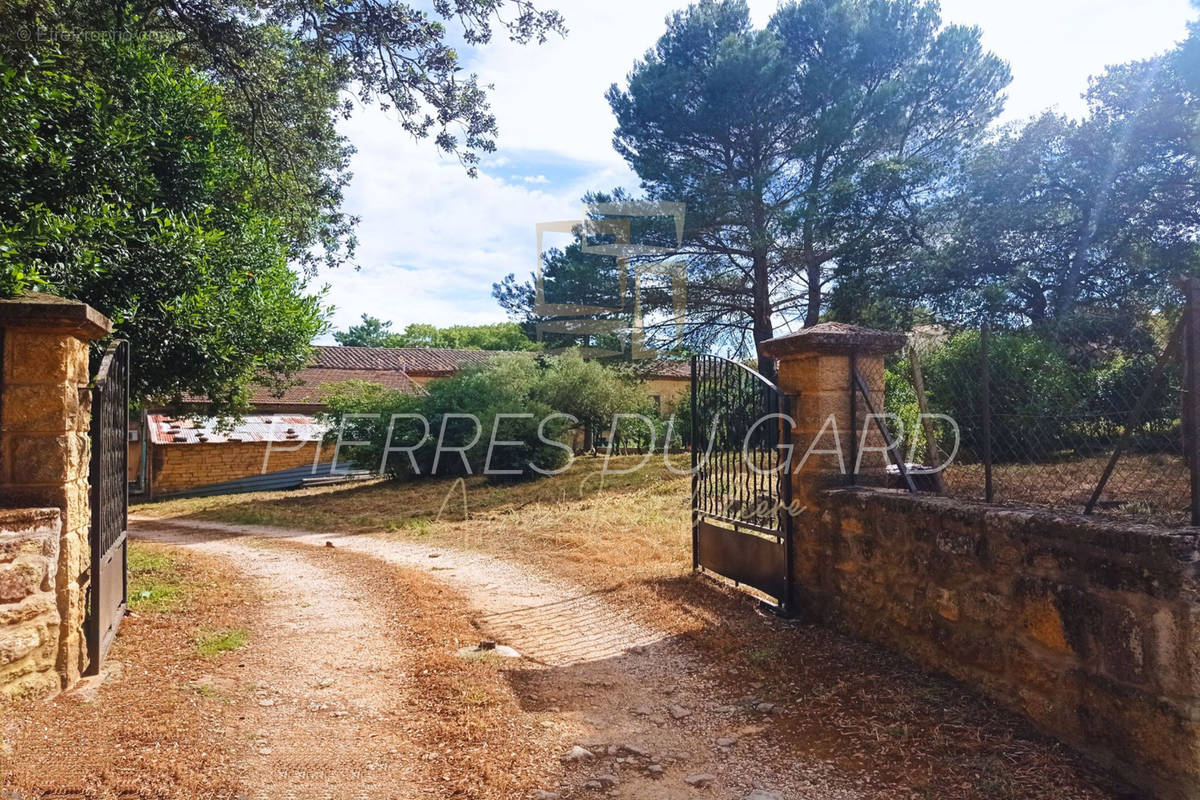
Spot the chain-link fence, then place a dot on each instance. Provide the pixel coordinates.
(1084, 413)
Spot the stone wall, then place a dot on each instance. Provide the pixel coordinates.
(29, 618)
(45, 448)
(178, 468)
(1091, 629)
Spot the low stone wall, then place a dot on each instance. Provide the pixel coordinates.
(179, 467)
(1089, 628)
(29, 616)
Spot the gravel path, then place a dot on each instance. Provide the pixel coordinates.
(325, 680)
(635, 712)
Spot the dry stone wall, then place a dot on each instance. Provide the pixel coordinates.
(29, 619)
(1091, 629)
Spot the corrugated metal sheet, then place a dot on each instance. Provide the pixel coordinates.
(166, 429)
(273, 481)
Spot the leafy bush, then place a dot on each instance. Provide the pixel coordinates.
(901, 399)
(1114, 388)
(535, 405)
(1036, 395)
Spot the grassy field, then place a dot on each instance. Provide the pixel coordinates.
(599, 528)
(1152, 487)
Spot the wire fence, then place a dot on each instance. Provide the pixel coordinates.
(1089, 412)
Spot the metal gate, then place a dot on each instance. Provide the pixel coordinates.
(741, 485)
(107, 594)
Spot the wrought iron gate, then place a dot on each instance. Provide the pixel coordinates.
(109, 478)
(741, 486)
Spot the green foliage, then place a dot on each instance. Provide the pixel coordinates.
(287, 71)
(374, 332)
(593, 392)
(901, 399)
(509, 385)
(812, 143)
(1035, 393)
(1058, 215)
(495, 336)
(537, 388)
(122, 185)
(371, 332)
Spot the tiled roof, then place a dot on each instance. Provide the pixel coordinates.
(422, 361)
(369, 358)
(666, 368)
(166, 429)
(442, 361)
(313, 380)
(333, 365)
(428, 362)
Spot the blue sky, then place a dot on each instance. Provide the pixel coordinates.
(432, 241)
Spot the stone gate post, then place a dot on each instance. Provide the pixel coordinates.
(815, 367)
(45, 449)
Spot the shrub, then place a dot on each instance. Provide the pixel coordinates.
(360, 411)
(522, 399)
(1035, 393)
(508, 385)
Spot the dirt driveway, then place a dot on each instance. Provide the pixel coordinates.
(360, 680)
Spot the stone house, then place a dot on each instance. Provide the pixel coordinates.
(276, 446)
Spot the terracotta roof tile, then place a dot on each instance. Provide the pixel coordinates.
(666, 368)
(368, 358)
(442, 361)
(333, 365)
(313, 380)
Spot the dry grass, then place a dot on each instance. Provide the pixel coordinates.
(909, 734)
(599, 529)
(150, 733)
(1151, 487)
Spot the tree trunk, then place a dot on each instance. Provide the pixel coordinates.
(813, 313)
(764, 329)
(1069, 287)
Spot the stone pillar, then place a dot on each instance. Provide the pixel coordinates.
(814, 367)
(45, 449)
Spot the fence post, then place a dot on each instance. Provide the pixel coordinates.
(695, 364)
(985, 334)
(1191, 390)
(932, 452)
(853, 410)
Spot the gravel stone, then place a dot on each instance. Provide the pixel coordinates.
(577, 753)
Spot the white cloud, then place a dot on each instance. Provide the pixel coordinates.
(1054, 46)
(433, 241)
